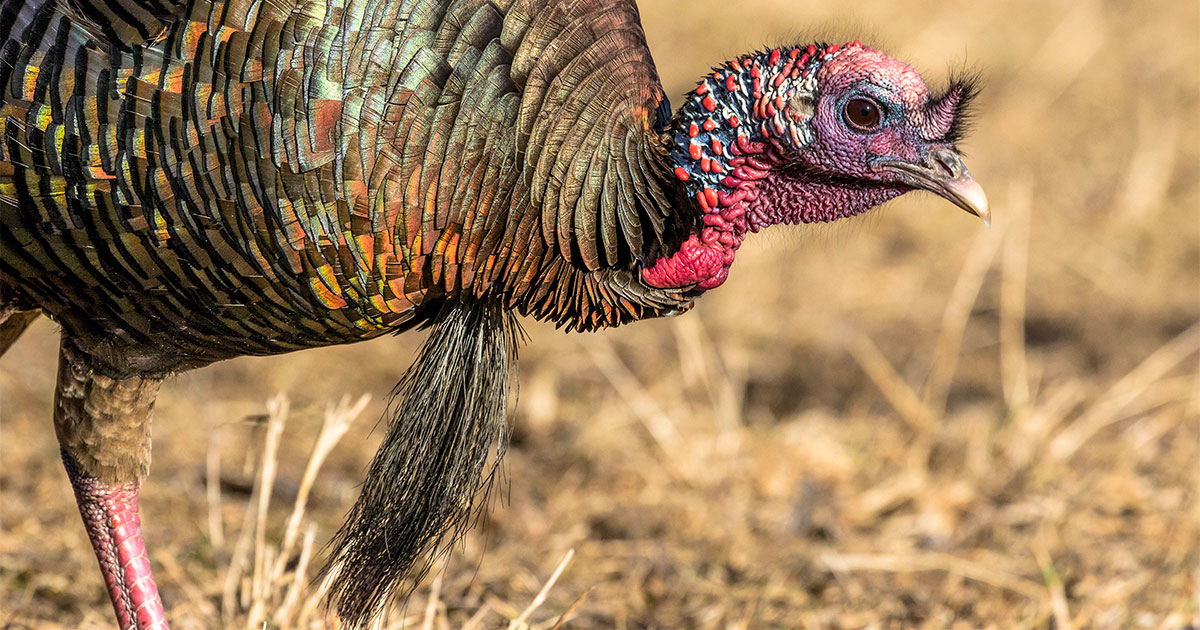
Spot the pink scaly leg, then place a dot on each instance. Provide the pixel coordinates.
(111, 517)
(103, 427)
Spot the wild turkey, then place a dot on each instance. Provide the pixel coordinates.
(188, 181)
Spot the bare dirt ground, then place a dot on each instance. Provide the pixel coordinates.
(905, 421)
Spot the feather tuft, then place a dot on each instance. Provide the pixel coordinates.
(952, 108)
(431, 477)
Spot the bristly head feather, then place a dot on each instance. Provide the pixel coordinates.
(953, 105)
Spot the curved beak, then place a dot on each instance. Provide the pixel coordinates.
(944, 174)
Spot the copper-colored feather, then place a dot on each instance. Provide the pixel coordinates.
(237, 181)
(183, 182)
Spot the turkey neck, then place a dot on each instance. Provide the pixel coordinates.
(735, 144)
(728, 138)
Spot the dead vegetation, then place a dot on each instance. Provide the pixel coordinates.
(907, 421)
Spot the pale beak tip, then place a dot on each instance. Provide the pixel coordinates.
(983, 209)
(969, 195)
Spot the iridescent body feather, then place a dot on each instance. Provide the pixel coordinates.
(251, 177)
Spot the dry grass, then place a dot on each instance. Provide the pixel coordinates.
(905, 421)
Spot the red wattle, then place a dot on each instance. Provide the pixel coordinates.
(701, 261)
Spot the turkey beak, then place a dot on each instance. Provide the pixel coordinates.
(944, 174)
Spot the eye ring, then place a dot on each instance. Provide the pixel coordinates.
(863, 114)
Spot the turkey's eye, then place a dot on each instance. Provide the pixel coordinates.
(862, 114)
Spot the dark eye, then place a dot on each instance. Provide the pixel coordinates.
(862, 114)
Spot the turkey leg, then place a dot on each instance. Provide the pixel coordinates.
(103, 427)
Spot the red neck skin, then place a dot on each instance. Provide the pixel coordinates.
(757, 194)
(704, 259)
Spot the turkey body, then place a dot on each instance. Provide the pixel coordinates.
(182, 183)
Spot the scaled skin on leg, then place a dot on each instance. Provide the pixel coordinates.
(103, 428)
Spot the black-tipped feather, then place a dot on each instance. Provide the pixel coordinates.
(431, 473)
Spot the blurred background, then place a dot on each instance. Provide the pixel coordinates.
(904, 420)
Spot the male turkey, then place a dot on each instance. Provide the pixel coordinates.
(185, 181)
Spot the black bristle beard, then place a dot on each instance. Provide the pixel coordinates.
(430, 479)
